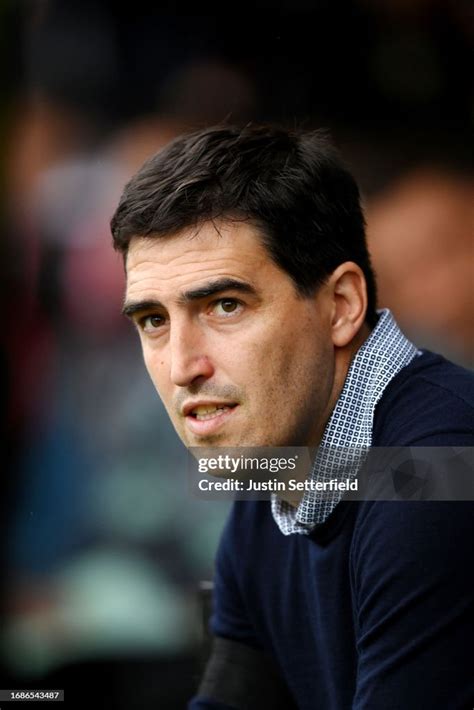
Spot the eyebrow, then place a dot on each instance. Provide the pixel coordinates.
(211, 289)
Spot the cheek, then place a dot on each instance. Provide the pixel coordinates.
(269, 368)
(298, 346)
(300, 364)
(157, 369)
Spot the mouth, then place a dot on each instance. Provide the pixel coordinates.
(206, 418)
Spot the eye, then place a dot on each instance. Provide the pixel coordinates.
(226, 307)
(151, 323)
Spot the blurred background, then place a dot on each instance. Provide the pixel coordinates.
(103, 548)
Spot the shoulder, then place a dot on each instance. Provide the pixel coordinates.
(401, 547)
(408, 526)
(412, 583)
(430, 402)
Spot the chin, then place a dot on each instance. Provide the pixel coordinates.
(210, 441)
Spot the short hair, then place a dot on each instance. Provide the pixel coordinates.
(290, 184)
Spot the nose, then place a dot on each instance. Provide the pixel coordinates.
(188, 358)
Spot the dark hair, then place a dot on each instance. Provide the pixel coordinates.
(292, 185)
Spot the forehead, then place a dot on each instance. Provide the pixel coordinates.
(174, 263)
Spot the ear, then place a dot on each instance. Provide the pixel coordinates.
(349, 302)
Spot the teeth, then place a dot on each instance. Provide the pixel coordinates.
(208, 411)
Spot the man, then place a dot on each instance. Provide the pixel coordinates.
(250, 284)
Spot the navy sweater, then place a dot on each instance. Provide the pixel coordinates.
(373, 609)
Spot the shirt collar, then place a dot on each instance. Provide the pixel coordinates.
(349, 429)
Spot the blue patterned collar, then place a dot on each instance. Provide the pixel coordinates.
(385, 352)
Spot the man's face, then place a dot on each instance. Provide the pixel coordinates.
(237, 356)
